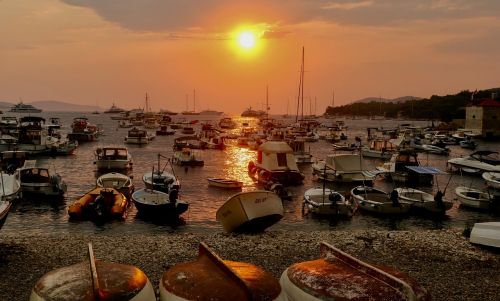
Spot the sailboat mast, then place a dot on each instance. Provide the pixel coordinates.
(147, 104)
(300, 87)
(267, 101)
(194, 100)
(302, 82)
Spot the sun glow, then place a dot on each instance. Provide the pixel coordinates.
(247, 39)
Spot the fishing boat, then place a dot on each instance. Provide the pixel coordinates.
(157, 203)
(138, 136)
(473, 198)
(251, 211)
(275, 163)
(400, 168)
(377, 201)
(225, 183)
(425, 201)
(94, 280)
(211, 278)
(327, 202)
(186, 157)
(486, 234)
(379, 148)
(40, 181)
(302, 156)
(343, 168)
(492, 179)
(82, 130)
(160, 179)
(112, 158)
(4, 211)
(117, 181)
(340, 276)
(478, 161)
(99, 204)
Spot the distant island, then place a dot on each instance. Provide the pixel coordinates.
(53, 106)
(442, 108)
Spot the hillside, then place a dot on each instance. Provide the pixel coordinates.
(52, 105)
(387, 100)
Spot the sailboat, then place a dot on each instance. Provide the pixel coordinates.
(193, 112)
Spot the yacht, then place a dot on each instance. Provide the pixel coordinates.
(477, 161)
(24, 108)
(211, 112)
(252, 113)
(114, 109)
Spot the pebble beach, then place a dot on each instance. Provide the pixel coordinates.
(442, 261)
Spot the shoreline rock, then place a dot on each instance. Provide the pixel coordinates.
(442, 261)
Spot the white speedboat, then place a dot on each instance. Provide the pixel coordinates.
(118, 181)
(250, 211)
(476, 162)
(473, 198)
(112, 158)
(425, 201)
(138, 136)
(337, 275)
(40, 180)
(378, 201)
(486, 234)
(343, 168)
(91, 279)
(492, 179)
(211, 278)
(325, 201)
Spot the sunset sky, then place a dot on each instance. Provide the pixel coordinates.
(104, 51)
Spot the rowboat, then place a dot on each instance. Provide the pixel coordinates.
(225, 183)
(327, 202)
(98, 204)
(118, 181)
(250, 211)
(492, 179)
(158, 203)
(211, 278)
(378, 201)
(425, 201)
(487, 234)
(94, 280)
(339, 276)
(473, 198)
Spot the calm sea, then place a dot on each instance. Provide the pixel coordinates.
(32, 216)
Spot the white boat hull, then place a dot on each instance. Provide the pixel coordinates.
(492, 179)
(250, 211)
(487, 234)
(225, 183)
(319, 203)
(113, 164)
(473, 198)
(373, 201)
(422, 200)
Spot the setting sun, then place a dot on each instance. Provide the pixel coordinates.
(247, 39)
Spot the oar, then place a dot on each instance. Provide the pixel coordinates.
(93, 273)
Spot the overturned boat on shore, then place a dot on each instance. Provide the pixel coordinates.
(211, 278)
(94, 280)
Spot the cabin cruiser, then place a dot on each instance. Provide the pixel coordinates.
(342, 168)
(33, 136)
(82, 130)
(40, 180)
(485, 161)
(397, 168)
(24, 108)
(275, 163)
(138, 136)
(112, 157)
(379, 149)
(114, 110)
(302, 156)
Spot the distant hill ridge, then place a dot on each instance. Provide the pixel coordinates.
(52, 105)
(387, 100)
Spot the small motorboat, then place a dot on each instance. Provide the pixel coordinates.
(486, 234)
(377, 201)
(477, 161)
(492, 179)
(225, 183)
(40, 181)
(186, 157)
(138, 136)
(250, 211)
(160, 179)
(99, 204)
(326, 201)
(118, 181)
(157, 203)
(425, 201)
(164, 131)
(112, 158)
(211, 278)
(473, 198)
(4, 211)
(468, 144)
(340, 276)
(94, 280)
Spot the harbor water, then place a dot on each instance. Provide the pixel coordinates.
(33, 216)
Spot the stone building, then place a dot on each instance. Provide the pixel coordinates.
(483, 116)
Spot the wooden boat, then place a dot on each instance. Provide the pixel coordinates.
(276, 163)
(118, 181)
(211, 278)
(99, 203)
(492, 179)
(325, 201)
(40, 180)
(378, 201)
(473, 198)
(153, 202)
(225, 183)
(4, 211)
(112, 158)
(425, 201)
(94, 280)
(486, 234)
(339, 276)
(250, 211)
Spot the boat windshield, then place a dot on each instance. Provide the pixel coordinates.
(487, 157)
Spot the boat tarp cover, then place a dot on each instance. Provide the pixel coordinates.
(275, 147)
(425, 170)
(347, 162)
